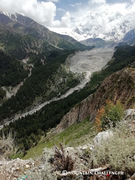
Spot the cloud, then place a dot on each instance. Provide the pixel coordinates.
(53, 0)
(76, 4)
(94, 16)
(98, 1)
(100, 17)
(66, 20)
(42, 12)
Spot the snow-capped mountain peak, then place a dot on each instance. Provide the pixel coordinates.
(95, 25)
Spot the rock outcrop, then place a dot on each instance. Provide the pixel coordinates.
(119, 86)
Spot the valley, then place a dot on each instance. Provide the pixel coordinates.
(83, 62)
(67, 104)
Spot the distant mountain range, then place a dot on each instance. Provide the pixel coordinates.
(128, 39)
(92, 25)
(98, 42)
(37, 38)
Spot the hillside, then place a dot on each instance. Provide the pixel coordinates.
(21, 37)
(106, 147)
(11, 70)
(28, 45)
(32, 48)
(117, 87)
(37, 125)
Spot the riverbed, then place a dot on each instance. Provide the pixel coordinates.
(83, 62)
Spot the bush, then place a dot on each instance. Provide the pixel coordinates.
(109, 115)
(118, 150)
(113, 114)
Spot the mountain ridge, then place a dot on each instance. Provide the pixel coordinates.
(26, 26)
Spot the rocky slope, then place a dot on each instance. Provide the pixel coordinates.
(119, 86)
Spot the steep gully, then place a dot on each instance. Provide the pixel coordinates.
(85, 62)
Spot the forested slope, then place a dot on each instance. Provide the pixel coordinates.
(29, 129)
(11, 70)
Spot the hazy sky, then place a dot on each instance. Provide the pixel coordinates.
(68, 13)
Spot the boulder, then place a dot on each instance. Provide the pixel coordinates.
(104, 135)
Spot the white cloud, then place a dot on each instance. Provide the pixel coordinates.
(76, 4)
(53, 0)
(42, 12)
(98, 1)
(97, 16)
(103, 17)
(66, 20)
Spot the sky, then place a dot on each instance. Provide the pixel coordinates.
(70, 13)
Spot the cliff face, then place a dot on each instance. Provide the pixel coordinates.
(76, 114)
(118, 86)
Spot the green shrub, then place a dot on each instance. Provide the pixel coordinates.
(112, 114)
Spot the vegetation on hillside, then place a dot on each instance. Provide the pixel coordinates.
(11, 71)
(117, 150)
(109, 115)
(39, 85)
(2, 94)
(79, 133)
(28, 130)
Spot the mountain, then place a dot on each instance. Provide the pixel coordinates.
(80, 45)
(27, 47)
(20, 36)
(34, 58)
(97, 42)
(129, 37)
(94, 25)
(97, 31)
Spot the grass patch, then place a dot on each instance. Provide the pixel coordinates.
(77, 134)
